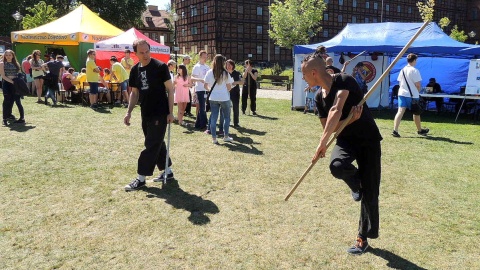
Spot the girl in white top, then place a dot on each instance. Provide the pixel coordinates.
(37, 73)
(219, 96)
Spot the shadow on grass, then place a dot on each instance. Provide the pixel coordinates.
(432, 117)
(243, 130)
(395, 261)
(20, 127)
(264, 117)
(178, 198)
(243, 144)
(102, 110)
(440, 139)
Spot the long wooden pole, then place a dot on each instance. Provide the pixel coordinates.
(367, 95)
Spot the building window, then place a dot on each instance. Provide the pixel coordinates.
(354, 3)
(340, 2)
(340, 18)
(410, 10)
(366, 20)
(156, 37)
(387, 7)
(375, 20)
(205, 28)
(367, 4)
(148, 19)
(277, 49)
(183, 14)
(194, 30)
(240, 9)
(325, 16)
(354, 19)
(183, 32)
(259, 11)
(259, 49)
(325, 33)
(240, 28)
(399, 8)
(205, 9)
(193, 10)
(375, 5)
(474, 14)
(259, 29)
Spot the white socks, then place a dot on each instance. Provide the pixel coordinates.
(141, 178)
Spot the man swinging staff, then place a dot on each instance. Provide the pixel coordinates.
(360, 141)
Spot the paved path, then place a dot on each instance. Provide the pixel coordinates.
(275, 94)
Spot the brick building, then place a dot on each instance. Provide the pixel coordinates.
(238, 29)
(156, 25)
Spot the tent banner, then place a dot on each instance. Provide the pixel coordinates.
(57, 38)
(122, 47)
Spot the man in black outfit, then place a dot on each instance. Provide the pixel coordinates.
(150, 81)
(235, 91)
(249, 89)
(436, 88)
(360, 141)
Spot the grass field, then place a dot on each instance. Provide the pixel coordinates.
(63, 205)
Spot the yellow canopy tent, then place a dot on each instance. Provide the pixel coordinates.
(73, 33)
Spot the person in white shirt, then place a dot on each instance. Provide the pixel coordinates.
(198, 74)
(410, 81)
(219, 81)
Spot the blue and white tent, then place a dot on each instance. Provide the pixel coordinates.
(440, 56)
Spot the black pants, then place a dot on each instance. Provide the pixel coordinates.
(235, 98)
(10, 98)
(188, 109)
(155, 151)
(367, 176)
(253, 98)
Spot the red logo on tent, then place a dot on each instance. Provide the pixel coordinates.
(371, 71)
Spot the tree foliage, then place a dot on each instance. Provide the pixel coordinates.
(458, 35)
(426, 10)
(444, 22)
(38, 15)
(295, 21)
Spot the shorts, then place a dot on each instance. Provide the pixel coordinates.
(93, 88)
(29, 78)
(124, 85)
(100, 89)
(405, 102)
(39, 77)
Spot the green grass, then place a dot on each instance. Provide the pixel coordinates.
(63, 205)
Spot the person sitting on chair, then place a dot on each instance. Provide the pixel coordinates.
(435, 89)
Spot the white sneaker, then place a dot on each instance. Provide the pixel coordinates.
(228, 139)
(214, 141)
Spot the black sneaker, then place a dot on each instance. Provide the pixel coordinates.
(134, 185)
(423, 131)
(359, 247)
(20, 121)
(5, 122)
(161, 177)
(11, 117)
(395, 134)
(357, 195)
(254, 113)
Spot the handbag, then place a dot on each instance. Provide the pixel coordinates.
(416, 107)
(207, 108)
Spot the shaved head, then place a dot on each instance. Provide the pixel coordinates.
(314, 70)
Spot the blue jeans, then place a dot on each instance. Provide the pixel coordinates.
(201, 121)
(216, 106)
(51, 94)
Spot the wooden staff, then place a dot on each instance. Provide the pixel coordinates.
(367, 95)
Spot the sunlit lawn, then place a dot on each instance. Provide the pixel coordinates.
(63, 205)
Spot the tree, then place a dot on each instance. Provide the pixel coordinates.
(124, 14)
(444, 22)
(295, 21)
(458, 35)
(41, 14)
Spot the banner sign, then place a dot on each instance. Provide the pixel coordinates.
(57, 38)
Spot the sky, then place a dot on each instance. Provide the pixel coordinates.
(160, 3)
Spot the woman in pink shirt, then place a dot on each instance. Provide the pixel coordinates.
(182, 84)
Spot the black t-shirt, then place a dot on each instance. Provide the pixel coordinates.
(54, 67)
(236, 77)
(250, 80)
(150, 82)
(335, 70)
(436, 87)
(364, 128)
